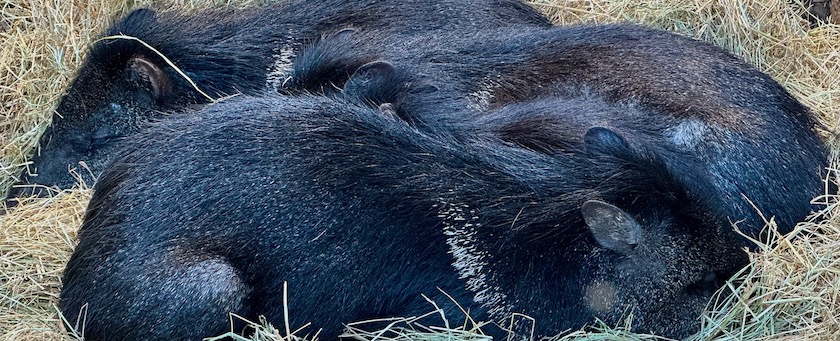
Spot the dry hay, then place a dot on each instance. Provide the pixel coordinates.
(792, 291)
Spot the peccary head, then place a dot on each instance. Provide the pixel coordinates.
(622, 236)
(121, 85)
(117, 100)
(660, 266)
(660, 248)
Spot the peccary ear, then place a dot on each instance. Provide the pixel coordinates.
(341, 34)
(375, 70)
(372, 82)
(604, 140)
(612, 227)
(150, 76)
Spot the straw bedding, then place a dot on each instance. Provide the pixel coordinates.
(791, 291)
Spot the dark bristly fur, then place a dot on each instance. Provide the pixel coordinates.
(123, 85)
(361, 213)
(755, 140)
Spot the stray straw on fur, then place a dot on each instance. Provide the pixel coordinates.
(161, 55)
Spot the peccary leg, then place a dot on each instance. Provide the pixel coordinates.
(151, 295)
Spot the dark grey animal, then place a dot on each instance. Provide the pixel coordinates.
(123, 84)
(757, 143)
(360, 213)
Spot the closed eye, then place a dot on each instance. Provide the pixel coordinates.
(102, 141)
(98, 141)
(710, 282)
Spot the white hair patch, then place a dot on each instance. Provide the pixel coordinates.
(281, 70)
(480, 99)
(460, 226)
(688, 133)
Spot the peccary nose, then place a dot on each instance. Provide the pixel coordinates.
(18, 190)
(24, 189)
(28, 185)
(8, 204)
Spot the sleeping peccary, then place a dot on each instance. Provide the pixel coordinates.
(123, 84)
(757, 142)
(360, 213)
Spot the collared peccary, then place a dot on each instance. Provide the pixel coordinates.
(757, 142)
(361, 213)
(124, 84)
